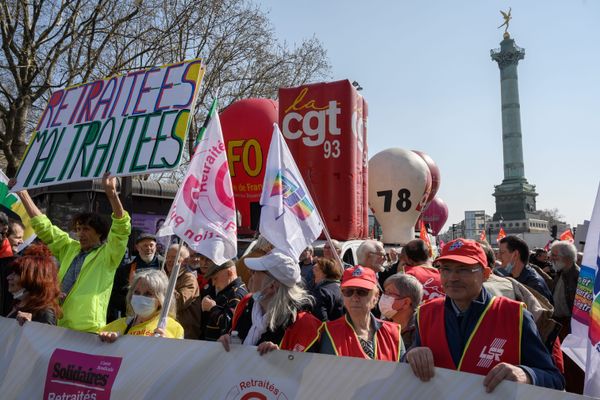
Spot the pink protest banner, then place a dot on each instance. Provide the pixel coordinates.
(74, 375)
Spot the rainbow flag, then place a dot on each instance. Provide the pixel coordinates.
(583, 344)
(294, 196)
(288, 216)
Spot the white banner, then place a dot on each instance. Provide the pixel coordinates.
(127, 125)
(203, 211)
(41, 361)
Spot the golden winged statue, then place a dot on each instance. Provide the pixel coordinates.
(507, 17)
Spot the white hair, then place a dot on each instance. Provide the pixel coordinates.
(157, 281)
(565, 249)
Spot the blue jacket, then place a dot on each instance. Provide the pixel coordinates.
(531, 279)
(535, 359)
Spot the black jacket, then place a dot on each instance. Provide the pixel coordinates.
(329, 304)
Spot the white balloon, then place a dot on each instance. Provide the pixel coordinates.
(399, 183)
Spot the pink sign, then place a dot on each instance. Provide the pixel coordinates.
(74, 375)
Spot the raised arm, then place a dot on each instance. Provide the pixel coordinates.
(28, 203)
(110, 188)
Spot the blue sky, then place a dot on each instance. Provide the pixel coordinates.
(431, 85)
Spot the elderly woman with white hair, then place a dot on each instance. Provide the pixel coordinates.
(145, 300)
(274, 316)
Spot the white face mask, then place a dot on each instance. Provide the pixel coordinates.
(143, 306)
(19, 295)
(386, 306)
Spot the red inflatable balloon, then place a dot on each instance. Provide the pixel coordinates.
(436, 215)
(247, 129)
(435, 175)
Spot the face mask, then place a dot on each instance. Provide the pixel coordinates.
(385, 306)
(19, 295)
(143, 306)
(557, 266)
(257, 296)
(509, 267)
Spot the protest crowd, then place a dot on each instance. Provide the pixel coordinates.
(400, 306)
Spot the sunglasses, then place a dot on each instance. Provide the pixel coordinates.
(349, 292)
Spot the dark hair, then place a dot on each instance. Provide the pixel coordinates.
(38, 276)
(330, 268)
(489, 253)
(3, 219)
(93, 220)
(12, 223)
(516, 243)
(417, 251)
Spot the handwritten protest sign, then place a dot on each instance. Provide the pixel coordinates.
(129, 124)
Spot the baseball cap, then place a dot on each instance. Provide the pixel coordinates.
(465, 251)
(144, 236)
(281, 267)
(214, 268)
(359, 276)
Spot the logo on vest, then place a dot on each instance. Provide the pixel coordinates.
(487, 356)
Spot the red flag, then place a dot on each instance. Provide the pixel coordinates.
(425, 237)
(501, 235)
(482, 236)
(567, 235)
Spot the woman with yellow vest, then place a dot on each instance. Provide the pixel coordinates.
(359, 333)
(145, 300)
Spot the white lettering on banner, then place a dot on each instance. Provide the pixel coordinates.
(314, 124)
(146, 371)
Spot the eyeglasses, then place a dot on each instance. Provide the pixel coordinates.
(378, 254)
(349, 292)
(462, 272)
(395, 296)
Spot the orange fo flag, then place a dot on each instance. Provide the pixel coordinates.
(501, 235)
(567, 235)
(482, 236)
(425, 237)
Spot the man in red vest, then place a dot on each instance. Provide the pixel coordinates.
(479, 333)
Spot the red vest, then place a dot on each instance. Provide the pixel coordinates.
(345, 341)
(299, 336)
(429, 278)
(302, 334)
(495, 339)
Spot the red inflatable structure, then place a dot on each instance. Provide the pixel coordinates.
(325, 128)
(247, 129)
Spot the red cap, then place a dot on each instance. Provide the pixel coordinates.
(464, 251)
(359, 277)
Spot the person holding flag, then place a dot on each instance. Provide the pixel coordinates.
(275, 315)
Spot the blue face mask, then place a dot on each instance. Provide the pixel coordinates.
(257, 296)
(509, 267)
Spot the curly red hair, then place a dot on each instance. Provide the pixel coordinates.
(38, 276)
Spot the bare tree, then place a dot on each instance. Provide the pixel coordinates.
(48, 44)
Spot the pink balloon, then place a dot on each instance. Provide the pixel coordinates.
(435, 175)
(436, 215)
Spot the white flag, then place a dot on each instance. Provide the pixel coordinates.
(289, 218)
(583, 344)
(203, 211)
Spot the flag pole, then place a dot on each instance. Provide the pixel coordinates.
(162, 322)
